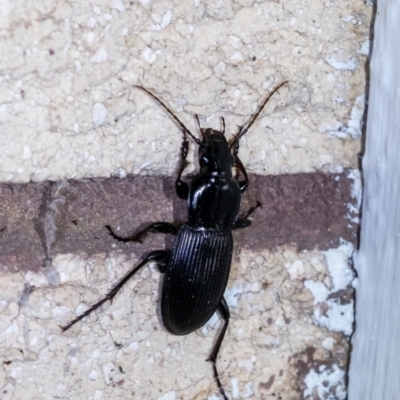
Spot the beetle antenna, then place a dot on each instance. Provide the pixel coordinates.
(242, 131)
(177, 120)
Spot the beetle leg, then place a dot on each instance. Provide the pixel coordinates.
(239, 166)
(161, 256)
(243, 185)
(224, 311)
(162, 227)
(181, 187)
(242, 222)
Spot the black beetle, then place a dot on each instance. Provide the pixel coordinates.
(197, 268)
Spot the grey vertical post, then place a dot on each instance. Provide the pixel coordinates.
(375, 365)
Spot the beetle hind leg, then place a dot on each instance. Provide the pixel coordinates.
(160, 256)
(224, 311)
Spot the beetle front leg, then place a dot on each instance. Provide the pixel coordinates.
(224, 311)
(162, 258)
(161, 227)
(181, 187)
(239, 165)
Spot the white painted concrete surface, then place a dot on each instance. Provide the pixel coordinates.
(68, 108)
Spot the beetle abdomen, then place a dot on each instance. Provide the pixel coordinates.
(195, 279)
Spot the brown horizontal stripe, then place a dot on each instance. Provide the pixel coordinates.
(305, 209)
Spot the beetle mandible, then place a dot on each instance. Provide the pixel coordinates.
(197, 268)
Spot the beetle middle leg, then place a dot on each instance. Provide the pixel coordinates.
(224, 311)
(161, 227)
(161, 256)
(244, 221)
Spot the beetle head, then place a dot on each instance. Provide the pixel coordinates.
(214, 154)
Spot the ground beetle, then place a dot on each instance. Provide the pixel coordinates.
(197, 268)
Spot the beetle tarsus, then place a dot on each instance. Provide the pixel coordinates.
(216, 376)
(224, 311)
(133, 238)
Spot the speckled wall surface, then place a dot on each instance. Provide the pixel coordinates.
(68, 111)
(68, 67)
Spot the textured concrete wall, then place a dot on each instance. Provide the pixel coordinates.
(68, 111)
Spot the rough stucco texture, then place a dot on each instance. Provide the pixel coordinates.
(288, 337)
(291, 304)
(68, 110)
